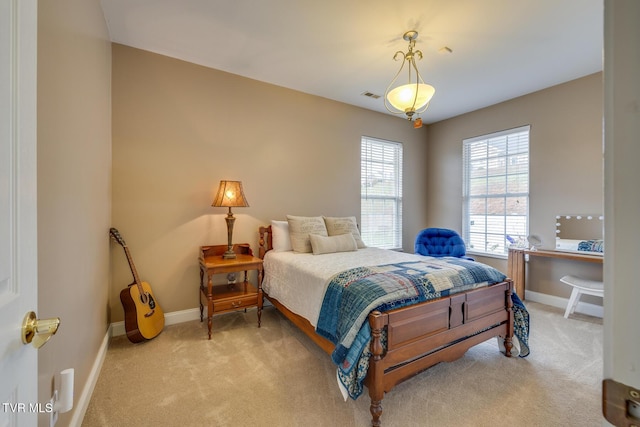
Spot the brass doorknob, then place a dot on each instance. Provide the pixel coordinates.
(38, 331)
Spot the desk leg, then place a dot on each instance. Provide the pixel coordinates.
(516, 271)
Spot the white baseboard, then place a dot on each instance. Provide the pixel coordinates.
(87, 391)
(559, 302)
(172, 318)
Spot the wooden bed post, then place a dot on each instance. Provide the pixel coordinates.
(264, 245)
(376, 370)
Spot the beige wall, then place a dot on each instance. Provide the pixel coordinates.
(565, 166)
(74, 188)
(179, 128)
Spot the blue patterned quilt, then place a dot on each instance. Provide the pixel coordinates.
(596, 245)
(352, 294)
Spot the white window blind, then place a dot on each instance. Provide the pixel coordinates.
(496, 190)
(381, 193)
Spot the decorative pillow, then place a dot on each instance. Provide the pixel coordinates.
(299, 229)
(336, 226)
(331, 244)
(280, 238)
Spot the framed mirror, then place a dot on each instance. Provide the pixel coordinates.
(580, 233)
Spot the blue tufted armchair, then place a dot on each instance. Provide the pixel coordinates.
(440, 242)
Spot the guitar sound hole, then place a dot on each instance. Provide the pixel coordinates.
(146, 298)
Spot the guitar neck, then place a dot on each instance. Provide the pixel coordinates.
(136, 279)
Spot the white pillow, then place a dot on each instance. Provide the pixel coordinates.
(280, 239)
(337, 225)
(299, 229)
(331, 244)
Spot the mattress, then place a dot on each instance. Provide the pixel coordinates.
(299, 280)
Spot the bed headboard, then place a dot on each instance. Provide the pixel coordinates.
(265, 243)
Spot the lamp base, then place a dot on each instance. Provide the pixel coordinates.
(229, 254)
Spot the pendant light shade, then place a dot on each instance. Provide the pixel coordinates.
(409, 96)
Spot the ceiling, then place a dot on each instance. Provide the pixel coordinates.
(339, 49)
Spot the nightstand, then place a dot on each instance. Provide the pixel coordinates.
(228, 297)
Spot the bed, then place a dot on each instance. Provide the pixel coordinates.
(402, 341)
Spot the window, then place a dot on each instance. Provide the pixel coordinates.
(381, 193)
(496, 190)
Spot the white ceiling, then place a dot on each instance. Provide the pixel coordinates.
(339, 49)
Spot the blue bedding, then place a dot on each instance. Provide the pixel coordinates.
(596, 245)
(353, 294)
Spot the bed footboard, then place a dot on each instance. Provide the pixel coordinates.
(426, 334)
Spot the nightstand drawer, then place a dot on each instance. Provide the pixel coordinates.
(235, 303)
(226, 298)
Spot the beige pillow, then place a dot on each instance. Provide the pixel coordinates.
(299, 229)
(343, 225)
(331, 244)
(280, 239)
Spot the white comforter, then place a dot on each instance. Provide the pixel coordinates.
(299, 280)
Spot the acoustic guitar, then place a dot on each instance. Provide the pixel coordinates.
(143, 317)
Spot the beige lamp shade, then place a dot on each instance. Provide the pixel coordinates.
(230, 194)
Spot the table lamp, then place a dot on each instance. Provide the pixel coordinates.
(230, 195)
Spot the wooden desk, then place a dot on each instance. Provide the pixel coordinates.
(228, 297)
(517, 264)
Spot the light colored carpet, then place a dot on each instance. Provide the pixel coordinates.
(276, 376)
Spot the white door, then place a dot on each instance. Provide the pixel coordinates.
(18, 255)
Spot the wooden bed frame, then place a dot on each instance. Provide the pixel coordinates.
(422, 335)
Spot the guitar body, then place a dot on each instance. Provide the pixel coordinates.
(143, 317)
(142, 321)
